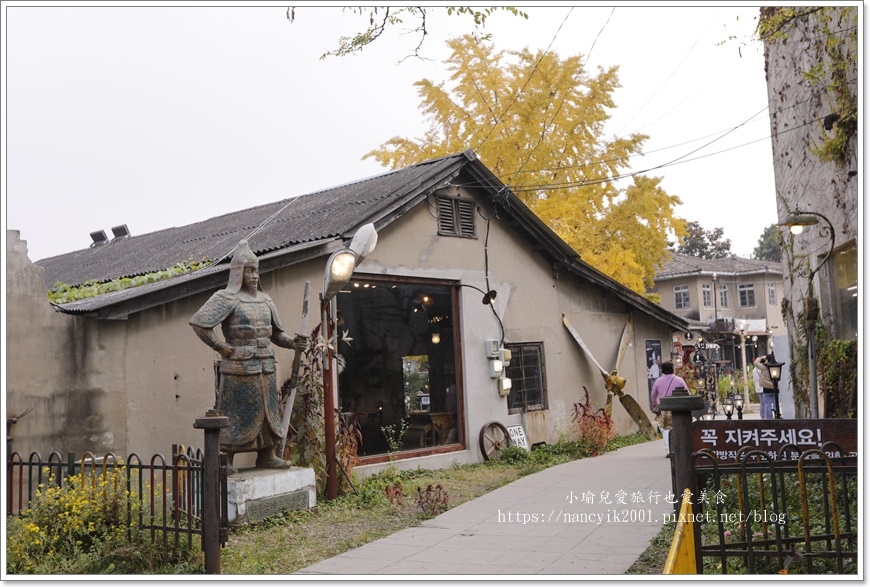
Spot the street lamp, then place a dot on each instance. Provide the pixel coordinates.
(796, 223)
(741, 329)
(775, 370)
(339, 268)
(738, 403)
(728, 405)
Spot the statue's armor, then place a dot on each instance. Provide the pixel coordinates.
(248, 391)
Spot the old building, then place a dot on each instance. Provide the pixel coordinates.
(719, 296)
(462, 270)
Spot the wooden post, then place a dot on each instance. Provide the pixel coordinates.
(211, 484)
(681, 405)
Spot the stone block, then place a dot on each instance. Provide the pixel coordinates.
(256, 494)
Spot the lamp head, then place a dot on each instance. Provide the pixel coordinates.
(796, 222)
(728, 406)
(339, 268)
(363, 242)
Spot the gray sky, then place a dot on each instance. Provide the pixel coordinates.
(156, 116)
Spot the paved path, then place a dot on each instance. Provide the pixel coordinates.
(538, 525)
(531, 526)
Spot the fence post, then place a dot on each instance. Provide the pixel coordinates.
(211, 485)
(681, 405)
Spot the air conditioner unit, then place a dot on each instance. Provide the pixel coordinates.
(493, 346)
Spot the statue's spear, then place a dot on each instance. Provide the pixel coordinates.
(294, 377)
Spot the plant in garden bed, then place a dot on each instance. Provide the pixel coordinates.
(82, 528)
(594, 427)
(306, 439)
(433, 500)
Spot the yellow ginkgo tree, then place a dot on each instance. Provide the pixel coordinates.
(537, 121)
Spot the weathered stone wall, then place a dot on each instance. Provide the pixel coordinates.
(60, 368)
(797, 109)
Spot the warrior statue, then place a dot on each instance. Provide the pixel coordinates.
(248, 391)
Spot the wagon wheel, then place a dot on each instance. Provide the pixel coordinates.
(494, 438)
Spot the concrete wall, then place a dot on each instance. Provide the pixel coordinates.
(65, 370)
(139, 384)
(802, 181)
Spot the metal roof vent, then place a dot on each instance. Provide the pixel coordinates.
(99, 237)
(120, 232)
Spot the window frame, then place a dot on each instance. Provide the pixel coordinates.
(771, 294)
(679, 292)
(707, 294)
(520, 351)
(746, 295)
(723, 297)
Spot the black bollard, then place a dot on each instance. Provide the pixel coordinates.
(211, 478)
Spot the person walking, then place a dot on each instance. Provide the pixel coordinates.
(765, 393)
(663, 387)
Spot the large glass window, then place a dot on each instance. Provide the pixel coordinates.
(399, 378)
(528, 377)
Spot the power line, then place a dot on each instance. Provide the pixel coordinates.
(565, 94)
(528, 79)
(664, 83)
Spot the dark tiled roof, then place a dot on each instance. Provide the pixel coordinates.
(304, 219)
(682, 265)
(306, 227)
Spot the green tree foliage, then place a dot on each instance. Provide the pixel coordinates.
(769, 246)
(382, 18)
(706, 244)
(537, 121)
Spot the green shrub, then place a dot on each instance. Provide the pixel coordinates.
(83, 528)
(514, 455)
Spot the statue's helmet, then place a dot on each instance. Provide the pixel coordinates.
(243, 257)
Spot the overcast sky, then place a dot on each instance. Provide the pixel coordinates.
(157, 117)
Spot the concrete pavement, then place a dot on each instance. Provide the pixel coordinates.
(593, 516)
(553, 522)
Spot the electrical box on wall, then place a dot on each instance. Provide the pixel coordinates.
(492, 348)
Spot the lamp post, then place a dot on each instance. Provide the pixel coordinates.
(796, 223)
(339, 268)
(775, 369)
(741, 329)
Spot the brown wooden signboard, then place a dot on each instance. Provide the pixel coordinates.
(726, 437)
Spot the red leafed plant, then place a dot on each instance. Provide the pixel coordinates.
(594, 427)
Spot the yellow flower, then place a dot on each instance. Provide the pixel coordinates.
(783, 572)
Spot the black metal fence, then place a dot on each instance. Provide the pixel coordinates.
(165, 499)
(794, 511)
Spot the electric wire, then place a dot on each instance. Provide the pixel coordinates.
(670, 75)
(565, 94)
(522, 89)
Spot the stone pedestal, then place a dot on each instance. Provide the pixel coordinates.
(256, 494)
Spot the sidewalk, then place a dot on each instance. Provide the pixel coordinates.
(542, 524)
(537, 525)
